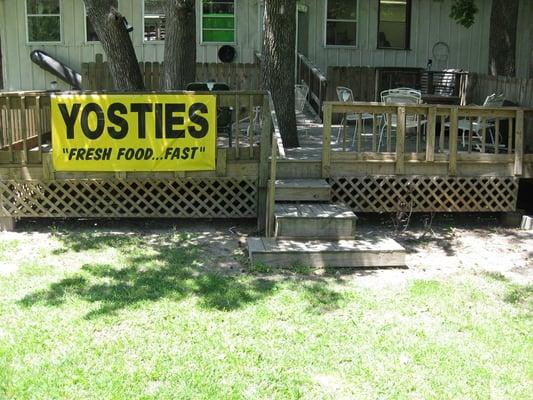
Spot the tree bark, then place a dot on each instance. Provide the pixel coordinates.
(180, 44)
(502, 39)
(110, 27)
(278, 64)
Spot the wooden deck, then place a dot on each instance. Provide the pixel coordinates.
(425, 168)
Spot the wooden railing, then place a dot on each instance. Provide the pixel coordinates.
(402, 133)
(277, 151)
(24, 126)
(315, 79)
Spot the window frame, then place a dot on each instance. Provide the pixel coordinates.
(85, 23)
(143, 26)
(202, 42)
(356, 21)
(27, 16)
(407, 28)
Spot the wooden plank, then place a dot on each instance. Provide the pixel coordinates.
(519, 143)
(342, 253)
(263, 172)
(221, 161)
(453, 142)
(313, 210)
(302, 190)
(430, 134)
(237, 134)
(24, 130)
(326, 141)
(400, 141)
(272, 188)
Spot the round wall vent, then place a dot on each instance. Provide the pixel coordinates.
(227, 53)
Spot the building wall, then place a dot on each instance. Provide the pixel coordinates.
(430, 23)
(22, 74)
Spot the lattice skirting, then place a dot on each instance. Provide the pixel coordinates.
(426, 194)
(191, 198)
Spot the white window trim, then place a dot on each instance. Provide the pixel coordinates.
(85, 24)
(143, 32)
(356, 20)
(26, 15)
(202, 42)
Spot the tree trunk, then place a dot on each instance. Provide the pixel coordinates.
(110, 27)
(180, 44)
(502, 39)
(278, 64)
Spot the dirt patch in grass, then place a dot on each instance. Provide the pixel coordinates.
(452, 244)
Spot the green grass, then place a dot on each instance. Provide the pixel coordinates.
(93, 314)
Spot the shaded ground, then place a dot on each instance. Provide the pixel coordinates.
(449, 244)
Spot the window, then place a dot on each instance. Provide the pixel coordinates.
(218, 21)
(90, 34)
(394, 24)
(154, 20)
(43, 20)
(341, 22)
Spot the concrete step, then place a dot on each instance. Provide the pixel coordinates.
(302, 190)
(314, 220)
(382, 252)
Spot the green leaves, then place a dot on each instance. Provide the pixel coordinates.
(464, 12)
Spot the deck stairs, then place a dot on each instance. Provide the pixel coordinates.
(310, 230)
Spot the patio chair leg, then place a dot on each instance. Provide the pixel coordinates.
(381, 136)
(339, 131)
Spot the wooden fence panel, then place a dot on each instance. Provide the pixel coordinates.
(360, 79)
(96, 75)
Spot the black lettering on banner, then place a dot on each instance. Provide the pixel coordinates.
(199, 120)
(90, 153)
(69, 118)
(80, 155)
(141, 109)
(117, 120)
(159, 121)
(131, 153)
(100, 121)
(106, 155)
(171, 120)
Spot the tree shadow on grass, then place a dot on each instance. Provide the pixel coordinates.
(170, 269)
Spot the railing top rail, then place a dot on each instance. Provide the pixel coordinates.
(313, 67)
(275, 125)
(374, 104)
(215, 92)
(28, 93)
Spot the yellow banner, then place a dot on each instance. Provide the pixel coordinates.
(144, 132)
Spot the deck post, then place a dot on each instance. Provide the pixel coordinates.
(400, 141)
(326, 142)
(264, 170)
(519, 143)
(7, 224)
(453, 141)
(430, 135)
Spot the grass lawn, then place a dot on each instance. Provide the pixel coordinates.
(94, 313)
